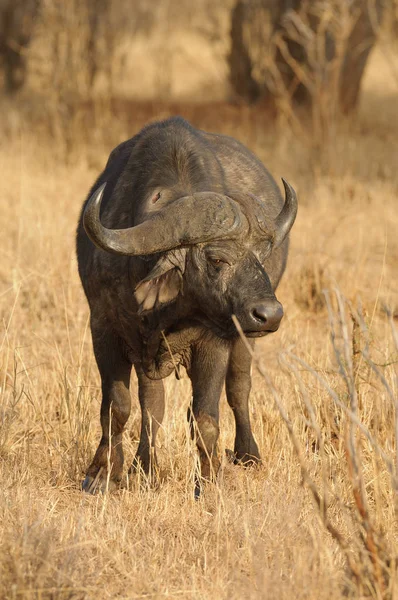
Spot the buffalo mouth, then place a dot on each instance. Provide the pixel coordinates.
(257, 334)
(233, 333)
(227, 330)
(260, 332)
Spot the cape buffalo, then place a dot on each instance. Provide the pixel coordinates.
(181, 231)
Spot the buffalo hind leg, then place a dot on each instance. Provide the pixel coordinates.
(107, 465)
(238, 385)
(151, 397)
(207, 373)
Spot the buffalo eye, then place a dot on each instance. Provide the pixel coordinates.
(217, 262)
(156, 197)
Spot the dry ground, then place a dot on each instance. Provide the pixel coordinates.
(257, 533)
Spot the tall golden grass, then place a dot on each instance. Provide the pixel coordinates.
(257, 533)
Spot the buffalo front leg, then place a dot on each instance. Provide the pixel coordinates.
(238, 385)
(151, 397)
(207, 373)
(105, 471)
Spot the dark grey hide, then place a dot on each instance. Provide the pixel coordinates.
(182, 230)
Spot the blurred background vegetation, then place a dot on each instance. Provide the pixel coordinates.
(73, 64)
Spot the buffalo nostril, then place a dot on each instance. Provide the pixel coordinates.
(260, 314)
(268, 316)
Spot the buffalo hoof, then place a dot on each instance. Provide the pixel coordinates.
(198, 489)
(208, 472)
(98, 484)
(243, 459)
(149, 474)
(201, 484)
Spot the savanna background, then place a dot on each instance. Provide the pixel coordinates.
(312, 88)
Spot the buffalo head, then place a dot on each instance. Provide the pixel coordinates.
(212, 249)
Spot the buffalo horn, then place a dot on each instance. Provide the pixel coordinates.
(284, 221)
(188, 220)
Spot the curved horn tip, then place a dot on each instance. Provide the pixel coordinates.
(290, 197)
(93, 204)
(287, 216)
(288, 188)
(91, 213)
(96, 197)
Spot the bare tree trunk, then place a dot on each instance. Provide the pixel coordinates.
(17, 19)
(302, 48)
(240, 63)
(360, 44)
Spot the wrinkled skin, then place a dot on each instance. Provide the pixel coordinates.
(173, 309)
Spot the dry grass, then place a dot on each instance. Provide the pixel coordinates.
(257, 534)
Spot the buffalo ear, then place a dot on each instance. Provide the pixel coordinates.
(152, 293)
(164, 282)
